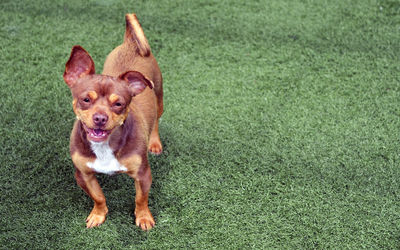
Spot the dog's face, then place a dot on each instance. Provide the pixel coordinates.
(100, 102)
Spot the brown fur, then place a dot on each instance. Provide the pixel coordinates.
(129, 94)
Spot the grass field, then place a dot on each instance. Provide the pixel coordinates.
(281, 126)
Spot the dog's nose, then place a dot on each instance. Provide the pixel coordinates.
(100, 119)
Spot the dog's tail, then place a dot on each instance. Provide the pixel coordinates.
(134, 34)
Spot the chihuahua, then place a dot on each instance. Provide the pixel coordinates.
(117, 114)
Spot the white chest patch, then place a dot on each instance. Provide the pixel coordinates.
(105, 162)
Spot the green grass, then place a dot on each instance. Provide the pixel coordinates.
(281, 126)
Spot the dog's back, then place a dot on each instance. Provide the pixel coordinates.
(135, 54)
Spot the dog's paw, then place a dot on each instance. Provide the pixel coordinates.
(155, 147)
(145, 220)
(95, 218)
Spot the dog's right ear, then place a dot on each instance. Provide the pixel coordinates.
(79, 64)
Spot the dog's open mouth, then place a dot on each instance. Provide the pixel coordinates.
(97, 134)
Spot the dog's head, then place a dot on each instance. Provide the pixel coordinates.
(100, 102)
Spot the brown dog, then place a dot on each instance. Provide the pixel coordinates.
(117, 119)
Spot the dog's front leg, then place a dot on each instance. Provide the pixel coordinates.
(144, 219)
(89, 183)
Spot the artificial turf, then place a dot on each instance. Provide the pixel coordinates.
(281, 125)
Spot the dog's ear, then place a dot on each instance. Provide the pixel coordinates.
(79, 64)
(137, 82)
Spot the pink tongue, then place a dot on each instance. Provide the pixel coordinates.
(98, 132)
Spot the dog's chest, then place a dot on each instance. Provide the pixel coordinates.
(105, 162)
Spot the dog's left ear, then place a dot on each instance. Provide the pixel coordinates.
(137, 82)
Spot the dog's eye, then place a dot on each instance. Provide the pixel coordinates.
(86, 100)
(118, 104)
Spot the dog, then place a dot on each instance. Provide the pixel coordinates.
(117, 115)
